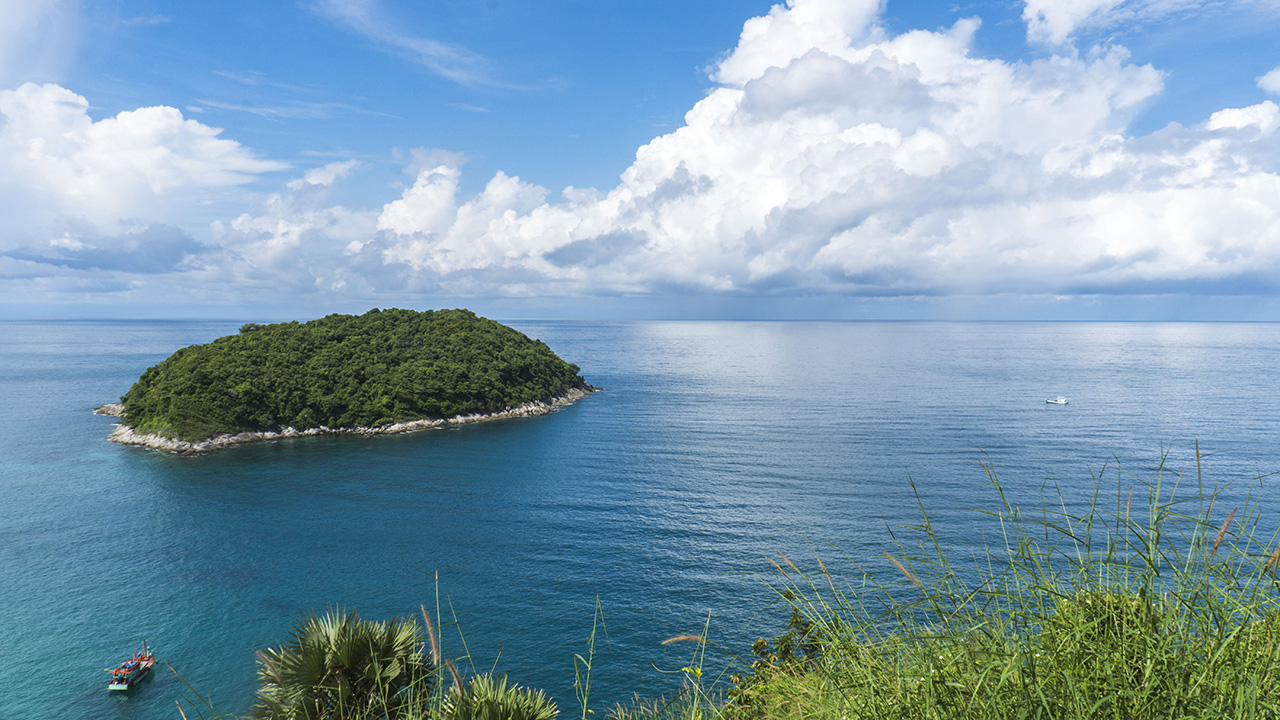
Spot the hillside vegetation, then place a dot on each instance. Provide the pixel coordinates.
(345, 371)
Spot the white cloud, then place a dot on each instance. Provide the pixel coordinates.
(428, 207)
(791, 30)
(434, 231)
(1264, 116)
(1053, 22)
(64, 175)
(832, 157)
(836, 158)
(297, 243)
(325, 175)
(1271, 81)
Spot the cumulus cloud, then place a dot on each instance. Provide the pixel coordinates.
(791, 30)
(81, 193)
(1265, 117)
(298, 241)
(1271, 81)
(834, 157)
(434, 231)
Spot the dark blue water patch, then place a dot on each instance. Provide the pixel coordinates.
(714, 446)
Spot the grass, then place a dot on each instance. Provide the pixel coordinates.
(1162, 604)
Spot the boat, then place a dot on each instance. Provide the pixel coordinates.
(1060, 400)
(132, 671)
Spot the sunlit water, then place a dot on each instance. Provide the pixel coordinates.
(713, 446)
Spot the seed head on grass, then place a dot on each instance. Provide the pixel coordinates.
(904, 570)
(1222, 531)
(435, 650)
(683, 638)
(779, 567)
(793, 565)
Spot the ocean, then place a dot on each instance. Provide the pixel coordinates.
(713, 446)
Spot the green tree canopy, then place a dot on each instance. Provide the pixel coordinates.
(346, 371)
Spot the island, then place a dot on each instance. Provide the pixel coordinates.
(386, 371)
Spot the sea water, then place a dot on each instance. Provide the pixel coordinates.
(713, 446)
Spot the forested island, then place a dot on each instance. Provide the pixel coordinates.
(381, 372)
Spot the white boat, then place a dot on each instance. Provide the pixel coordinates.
(1060, 400)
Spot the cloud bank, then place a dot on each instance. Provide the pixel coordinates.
(831, 157)
(835, 158)
(108, 194)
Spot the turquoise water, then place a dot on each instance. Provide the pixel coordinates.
(713, 446)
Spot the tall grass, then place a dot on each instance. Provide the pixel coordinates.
(1162, 606)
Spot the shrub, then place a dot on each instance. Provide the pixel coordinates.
(490, 698)
(339, 666)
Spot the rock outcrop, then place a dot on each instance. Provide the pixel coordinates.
(125, 435)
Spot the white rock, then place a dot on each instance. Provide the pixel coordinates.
(125, 435)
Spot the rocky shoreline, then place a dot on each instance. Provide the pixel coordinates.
(125, 435)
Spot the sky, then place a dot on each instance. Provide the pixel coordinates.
(816, 159)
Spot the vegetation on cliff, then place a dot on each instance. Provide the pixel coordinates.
(343, 371)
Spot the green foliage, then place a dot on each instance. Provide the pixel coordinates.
(339, 666)
(684, 706)
(794, 653)
(1100, 615)
(490, 698)
(345, 371)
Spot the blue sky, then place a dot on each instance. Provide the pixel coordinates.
(1110, 159)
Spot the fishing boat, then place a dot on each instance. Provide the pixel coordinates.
(1060, 400)
(132, 671)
